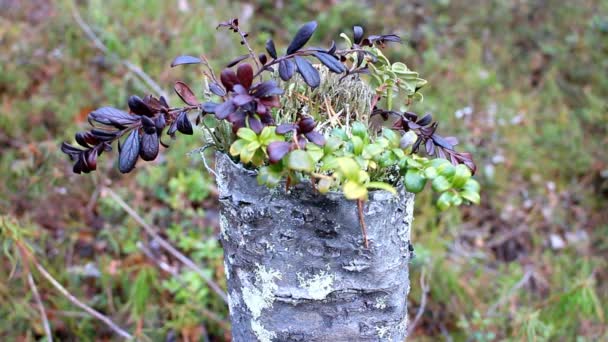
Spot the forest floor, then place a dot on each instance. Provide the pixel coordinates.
(522, 83)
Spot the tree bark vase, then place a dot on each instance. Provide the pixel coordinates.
(297, 268)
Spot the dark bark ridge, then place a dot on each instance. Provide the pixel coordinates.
(296, 266)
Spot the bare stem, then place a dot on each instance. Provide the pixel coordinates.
(103, 48)
(164, 244)
(43, 316)
(360, 203)
(251, 53)
(424, 287)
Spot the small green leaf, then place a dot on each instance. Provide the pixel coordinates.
(299, 160)
(441, 184)
(456, 200)
(414, 181)
(253, 146)
(372, 150)
(237, 147)
(349, 168)
(391, 135)
(382, 186)
(471, 196)
(472, 185)
(353, 190)
(430, 172)
(357, 144)
(358, 129)
(447, 170)
(268, 135)
(444, 201)
(461, 176)
(315, 152)
(332, 144)
(246, 155)
(339, 133)
(247, 134)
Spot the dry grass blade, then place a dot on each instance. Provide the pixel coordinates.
(164, 244)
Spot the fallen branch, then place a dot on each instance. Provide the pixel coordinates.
(164, 244)
(43, 316)
(425, 290)
(103, 48)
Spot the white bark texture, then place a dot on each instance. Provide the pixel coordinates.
(297, 268)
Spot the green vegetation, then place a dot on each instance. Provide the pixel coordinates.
(522, 84)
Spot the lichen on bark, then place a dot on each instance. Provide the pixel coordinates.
(297, 268)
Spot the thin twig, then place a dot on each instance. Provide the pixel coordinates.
(167, 268)
(103, 48)
(202, 151)
(164, 244)
(425, 290)
(362, 222)
(43, 316)
(78, 303)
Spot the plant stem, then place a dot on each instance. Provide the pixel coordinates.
(360, 203)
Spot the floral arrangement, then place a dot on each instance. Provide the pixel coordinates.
(341, 123)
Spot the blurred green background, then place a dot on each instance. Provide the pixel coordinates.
(523, 83)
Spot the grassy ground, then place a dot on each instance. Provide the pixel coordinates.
(523, 83)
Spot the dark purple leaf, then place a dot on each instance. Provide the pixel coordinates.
(217, 89)
(267, 88)
(164, 102)
(172, 129)
(306, 124)
(286, 69)
(180, 60)
(236, 61)
(229, 79)
(277, 150)
(262, 58)
(209, 107)
(332, 48)
(452, 140)
(224, 109)
(308, 72)
(430, 147)
(271, 49)
(358, 34)
(149, 147)
(91, 159)
(241, 100)
(255, 124)
(128, 152)
(103, 135)
(244, 73)
(112, 117)
(70, 150)
(332, 63)
(183, 124)
(302, 37)
(316, 138)
(155, 104)
(439, 140)
(160, 123)
(138, 106)
(286, 127)
(148, 125)
(185, 93)
(425, 120)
